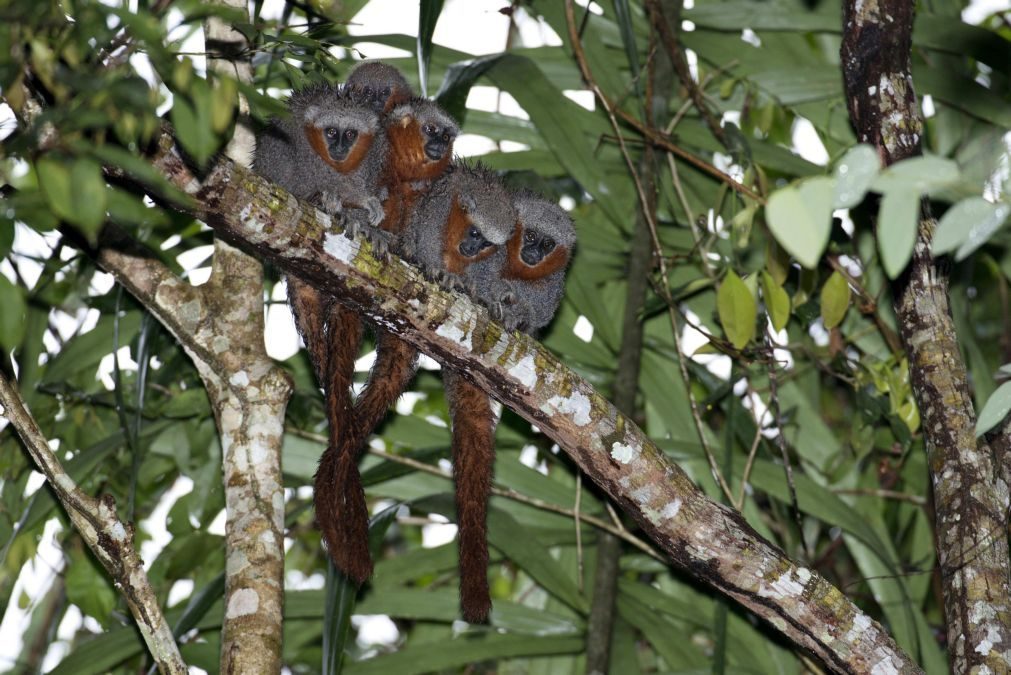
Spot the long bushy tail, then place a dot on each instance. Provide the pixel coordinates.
(342, 513)
(473, 462)
(395, 364)
(338, 496)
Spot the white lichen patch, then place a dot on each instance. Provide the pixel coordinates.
(451, 331)
(884, 667)
(671, 509)
(525, 371)
(624, 453)
(992, 638)
(861, 622)
(340, 247)
(577, 407)
(643, 494)
(239, 379)
(118, 532)
(783, 587)
(243, 602)
(220, 344)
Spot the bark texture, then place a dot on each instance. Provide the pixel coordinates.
(970, 492)
(249, 395)
(712, 542)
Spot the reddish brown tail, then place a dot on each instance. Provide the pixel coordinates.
(473, 462)
(395, 364)
(338, 496)
(342, 514)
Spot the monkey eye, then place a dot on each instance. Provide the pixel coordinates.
(350, 134)
(331, 132)
(474, 232)
(430, 129)
(548, 243)
(529, 237)
(386, 92)
(367, 91)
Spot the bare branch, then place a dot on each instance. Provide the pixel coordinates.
(106, 535)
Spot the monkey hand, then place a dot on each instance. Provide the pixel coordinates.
(374, 207)
(454, 282)
(330, 202)
(503, 304)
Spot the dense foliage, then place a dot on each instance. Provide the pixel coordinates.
(779, 267)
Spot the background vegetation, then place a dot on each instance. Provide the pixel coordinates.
(798, 390)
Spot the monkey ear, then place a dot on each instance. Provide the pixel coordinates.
(467, 203)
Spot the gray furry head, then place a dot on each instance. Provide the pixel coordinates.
(545, 216)
(376, 84)
(426, 112)
(481, 194)
(326, 105)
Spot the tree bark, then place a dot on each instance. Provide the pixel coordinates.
(712, 542)
(249, 395)
(970, 492)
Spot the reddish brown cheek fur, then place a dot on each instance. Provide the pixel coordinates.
(515, 268)
(349, 163)
(456, 228)
(406, 163)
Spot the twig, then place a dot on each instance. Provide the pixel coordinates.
(584, 68)
(109, 538)
(508, 493)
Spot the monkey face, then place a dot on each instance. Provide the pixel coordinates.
(340, 141)
(535, 247)
(438, 140)
(473, 243)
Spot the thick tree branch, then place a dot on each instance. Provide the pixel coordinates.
(712, 542)
(250, 418)
(970, 493)
(109, 538)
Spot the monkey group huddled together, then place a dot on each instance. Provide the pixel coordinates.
(371, 145)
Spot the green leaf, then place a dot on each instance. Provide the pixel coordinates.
(918, 175)
(737, 310)
(427, 18)
(835, 300)
(995, 409)
(777, 301)
(88, 588)
(897, 223)
(800, 217)
(456, 84)
(6, 235)
(442, 655)
(12, 316)
(854, 174)
(193, 122)
(968, 225)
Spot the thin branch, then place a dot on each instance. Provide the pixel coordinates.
(644, 202)
(507, 493)
(109, 538)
